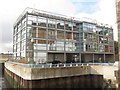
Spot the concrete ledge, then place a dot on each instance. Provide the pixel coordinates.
(32, 73)
(107, 71)
(21, 71)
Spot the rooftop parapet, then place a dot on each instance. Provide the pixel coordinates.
(46, 13)
(59, 16)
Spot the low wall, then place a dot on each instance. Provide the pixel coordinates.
(80, 81)
(39, 74)
(1, 69)
(107, 71)
(32, 73)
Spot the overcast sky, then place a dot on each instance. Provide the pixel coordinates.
(103, 11)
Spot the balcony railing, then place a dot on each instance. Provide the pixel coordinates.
(50, 65)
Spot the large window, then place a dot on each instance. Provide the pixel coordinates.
(32, 32)
(51, 45)
(74, 27)
(89, 47)
(51, 23)
(100, 31)
(76, 36)
(41, 45)
(88, 27)
(60, 34)
(60, 46)
(42, 21)
(68, 35)
(41, 33)
(68, 26)
(60, 24)
(40, 57)
(23, 54)
(101, 48)
(32, 20)
(72, 46)
(51, 34)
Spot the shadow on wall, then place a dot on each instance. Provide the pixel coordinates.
(107, 83)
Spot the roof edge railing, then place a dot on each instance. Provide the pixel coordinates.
(36, 11)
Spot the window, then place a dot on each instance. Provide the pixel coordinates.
(76, 36)
(51, 45)
(40, 57)
(68, 25)
(41, 45)
(51, 34)
(68, 35)
(60, 34)
(41, 33)
(60, 46)
(42, 21)
(51, 23)
(60, 24)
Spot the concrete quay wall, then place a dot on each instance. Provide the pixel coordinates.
(1, 69)
(81, 81)
(33, 73)
(107, 71)
(32, 77)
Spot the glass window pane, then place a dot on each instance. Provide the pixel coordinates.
(60, 45)
(51, 45)
(41, 33)
(51, 34)
(60, 34)
(40, 57)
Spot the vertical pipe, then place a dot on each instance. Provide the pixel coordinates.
(26, 36)
(32, 46)
(36, 42)
(64, 44)
(93, 57)
(47, 40)
(79, 57)
(104, 58)
(20, 37)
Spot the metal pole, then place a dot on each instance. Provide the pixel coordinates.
(79, 57)
(32, 57)
(93, 58)
(8, 55)
(33, 52)
(104, 58)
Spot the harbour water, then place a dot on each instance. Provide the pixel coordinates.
(2, 83)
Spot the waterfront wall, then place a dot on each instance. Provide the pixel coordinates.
(80, 81)
(32, 73)
(1, 69)
(32, 77)
(108, 71)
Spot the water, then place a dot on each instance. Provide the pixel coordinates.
(2, 83)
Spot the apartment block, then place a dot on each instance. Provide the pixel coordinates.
(118, 22)
(45, 37)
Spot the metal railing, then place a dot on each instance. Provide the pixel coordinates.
(50, 65)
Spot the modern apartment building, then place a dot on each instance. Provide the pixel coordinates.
(118, 22)
(45, 37)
